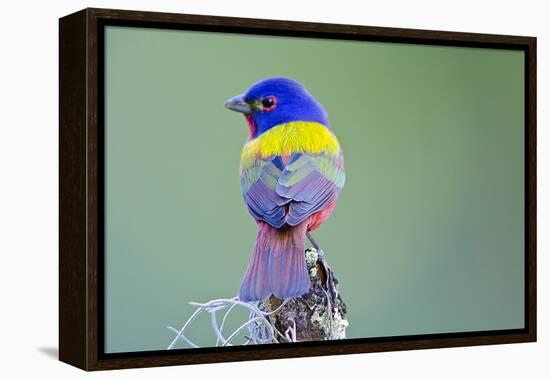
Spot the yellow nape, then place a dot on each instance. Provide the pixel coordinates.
(290, 138)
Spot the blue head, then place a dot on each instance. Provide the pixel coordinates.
(275, 101)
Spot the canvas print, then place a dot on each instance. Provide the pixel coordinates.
(268, 189)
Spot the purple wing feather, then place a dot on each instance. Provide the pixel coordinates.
(265, 204)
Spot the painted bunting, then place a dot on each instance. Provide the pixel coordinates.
(292, 171)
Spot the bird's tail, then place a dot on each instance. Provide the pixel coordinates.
(277, 265)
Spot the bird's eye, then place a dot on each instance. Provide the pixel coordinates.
(268, 103)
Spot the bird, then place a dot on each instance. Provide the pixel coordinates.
(291, 174)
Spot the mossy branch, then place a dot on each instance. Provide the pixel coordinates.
(318, 315)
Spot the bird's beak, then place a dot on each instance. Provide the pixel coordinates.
(238, 104)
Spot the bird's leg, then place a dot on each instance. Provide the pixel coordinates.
(313, 242)
(329, 281)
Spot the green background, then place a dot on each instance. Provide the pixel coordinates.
(427, 236)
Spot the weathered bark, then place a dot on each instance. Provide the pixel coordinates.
(318, 315)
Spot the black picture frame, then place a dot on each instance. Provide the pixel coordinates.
(81, 163)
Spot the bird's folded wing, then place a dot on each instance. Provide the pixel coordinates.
(279, 194)
(311, 182)
(259, 188)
